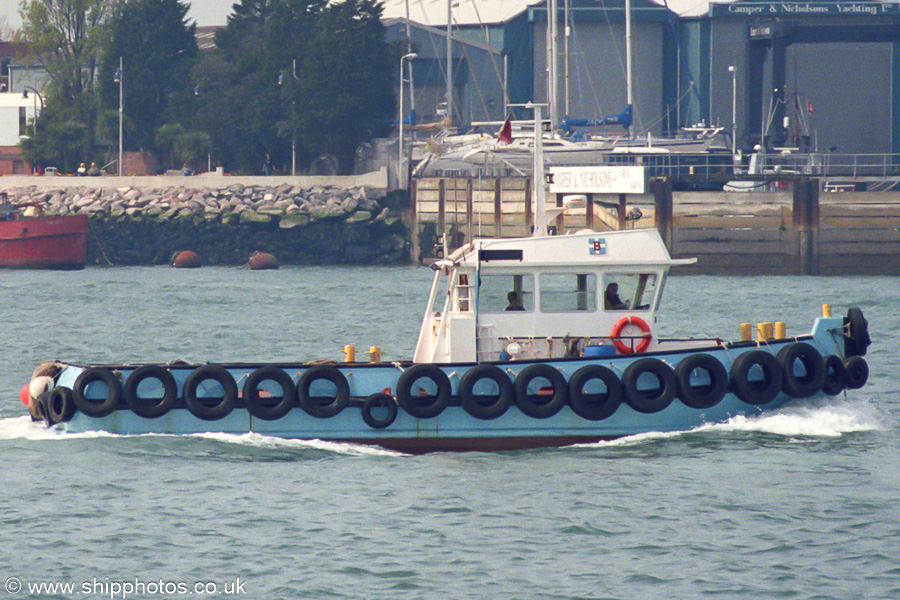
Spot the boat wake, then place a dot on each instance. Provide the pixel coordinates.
(256, 440)
(797, 421)
(25, 429)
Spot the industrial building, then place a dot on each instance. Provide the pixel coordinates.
(814, 75)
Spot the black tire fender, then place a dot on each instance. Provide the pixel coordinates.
(97, 408)
(857, 372)
(652, 400)
(857, 340)
(323, 407)
(756, 392)
(594, 406)
(538, 405)
(60, 405)
(835, 380)
(705, 395)
(269, 408)
(801, 386)
(423, 406)
(210, 409)
(150, 408)
(379, 400)
(486, 407)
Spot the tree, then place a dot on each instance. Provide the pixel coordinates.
(343, 90)
(66, 36)
(157, 47)
(346, 80)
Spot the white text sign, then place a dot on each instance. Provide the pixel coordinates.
(598, 180)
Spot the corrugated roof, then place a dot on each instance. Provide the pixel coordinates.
(474, 12)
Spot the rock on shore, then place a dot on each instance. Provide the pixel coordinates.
(225, 225)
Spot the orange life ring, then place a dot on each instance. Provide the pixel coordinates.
(617, 332)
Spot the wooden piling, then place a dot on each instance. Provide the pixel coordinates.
(806, 222)
(498, 213)
(662, 201)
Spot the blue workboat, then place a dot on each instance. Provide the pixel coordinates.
(540, 341)
(548, 340)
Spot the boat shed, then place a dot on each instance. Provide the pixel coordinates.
(812, 75)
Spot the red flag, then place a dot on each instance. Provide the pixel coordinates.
(505, 135)
(809, 107)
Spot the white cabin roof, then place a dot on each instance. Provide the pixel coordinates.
(640, 247)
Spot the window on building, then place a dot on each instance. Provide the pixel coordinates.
(499, 293)
(23, 121)
(567, 292)
(632, 291)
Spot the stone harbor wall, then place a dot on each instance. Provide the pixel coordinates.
(225, 224)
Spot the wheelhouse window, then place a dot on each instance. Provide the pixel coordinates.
(629, 291)
(506, 292)
(568, 292)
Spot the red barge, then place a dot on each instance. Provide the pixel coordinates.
(29, 240)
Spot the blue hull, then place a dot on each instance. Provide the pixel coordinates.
(454, 428)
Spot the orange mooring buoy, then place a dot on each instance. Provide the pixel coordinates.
(186, 259)
(262, 260)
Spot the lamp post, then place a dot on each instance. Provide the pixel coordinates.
(733, 71)
(293, 117)
(38, 96)
(401, 173)
(119, 78)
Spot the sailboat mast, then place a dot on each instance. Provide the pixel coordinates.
(412, 95)
(449, 61)
(540, 193)
(552, 67)
(566, 34)
(628, 78)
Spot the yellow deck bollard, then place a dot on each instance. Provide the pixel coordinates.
(780, 330)
(746, 334)
(826, 310)
(349, 353)
(375, 354)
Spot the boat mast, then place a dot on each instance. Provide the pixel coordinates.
(540, 193)
(449, 62)
(552, 67)
(628, 86)
(566, 34)
(412, 95)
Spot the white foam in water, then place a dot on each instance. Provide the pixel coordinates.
(796, 421)
(821, 421)
(26, 429)
(263, 441)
